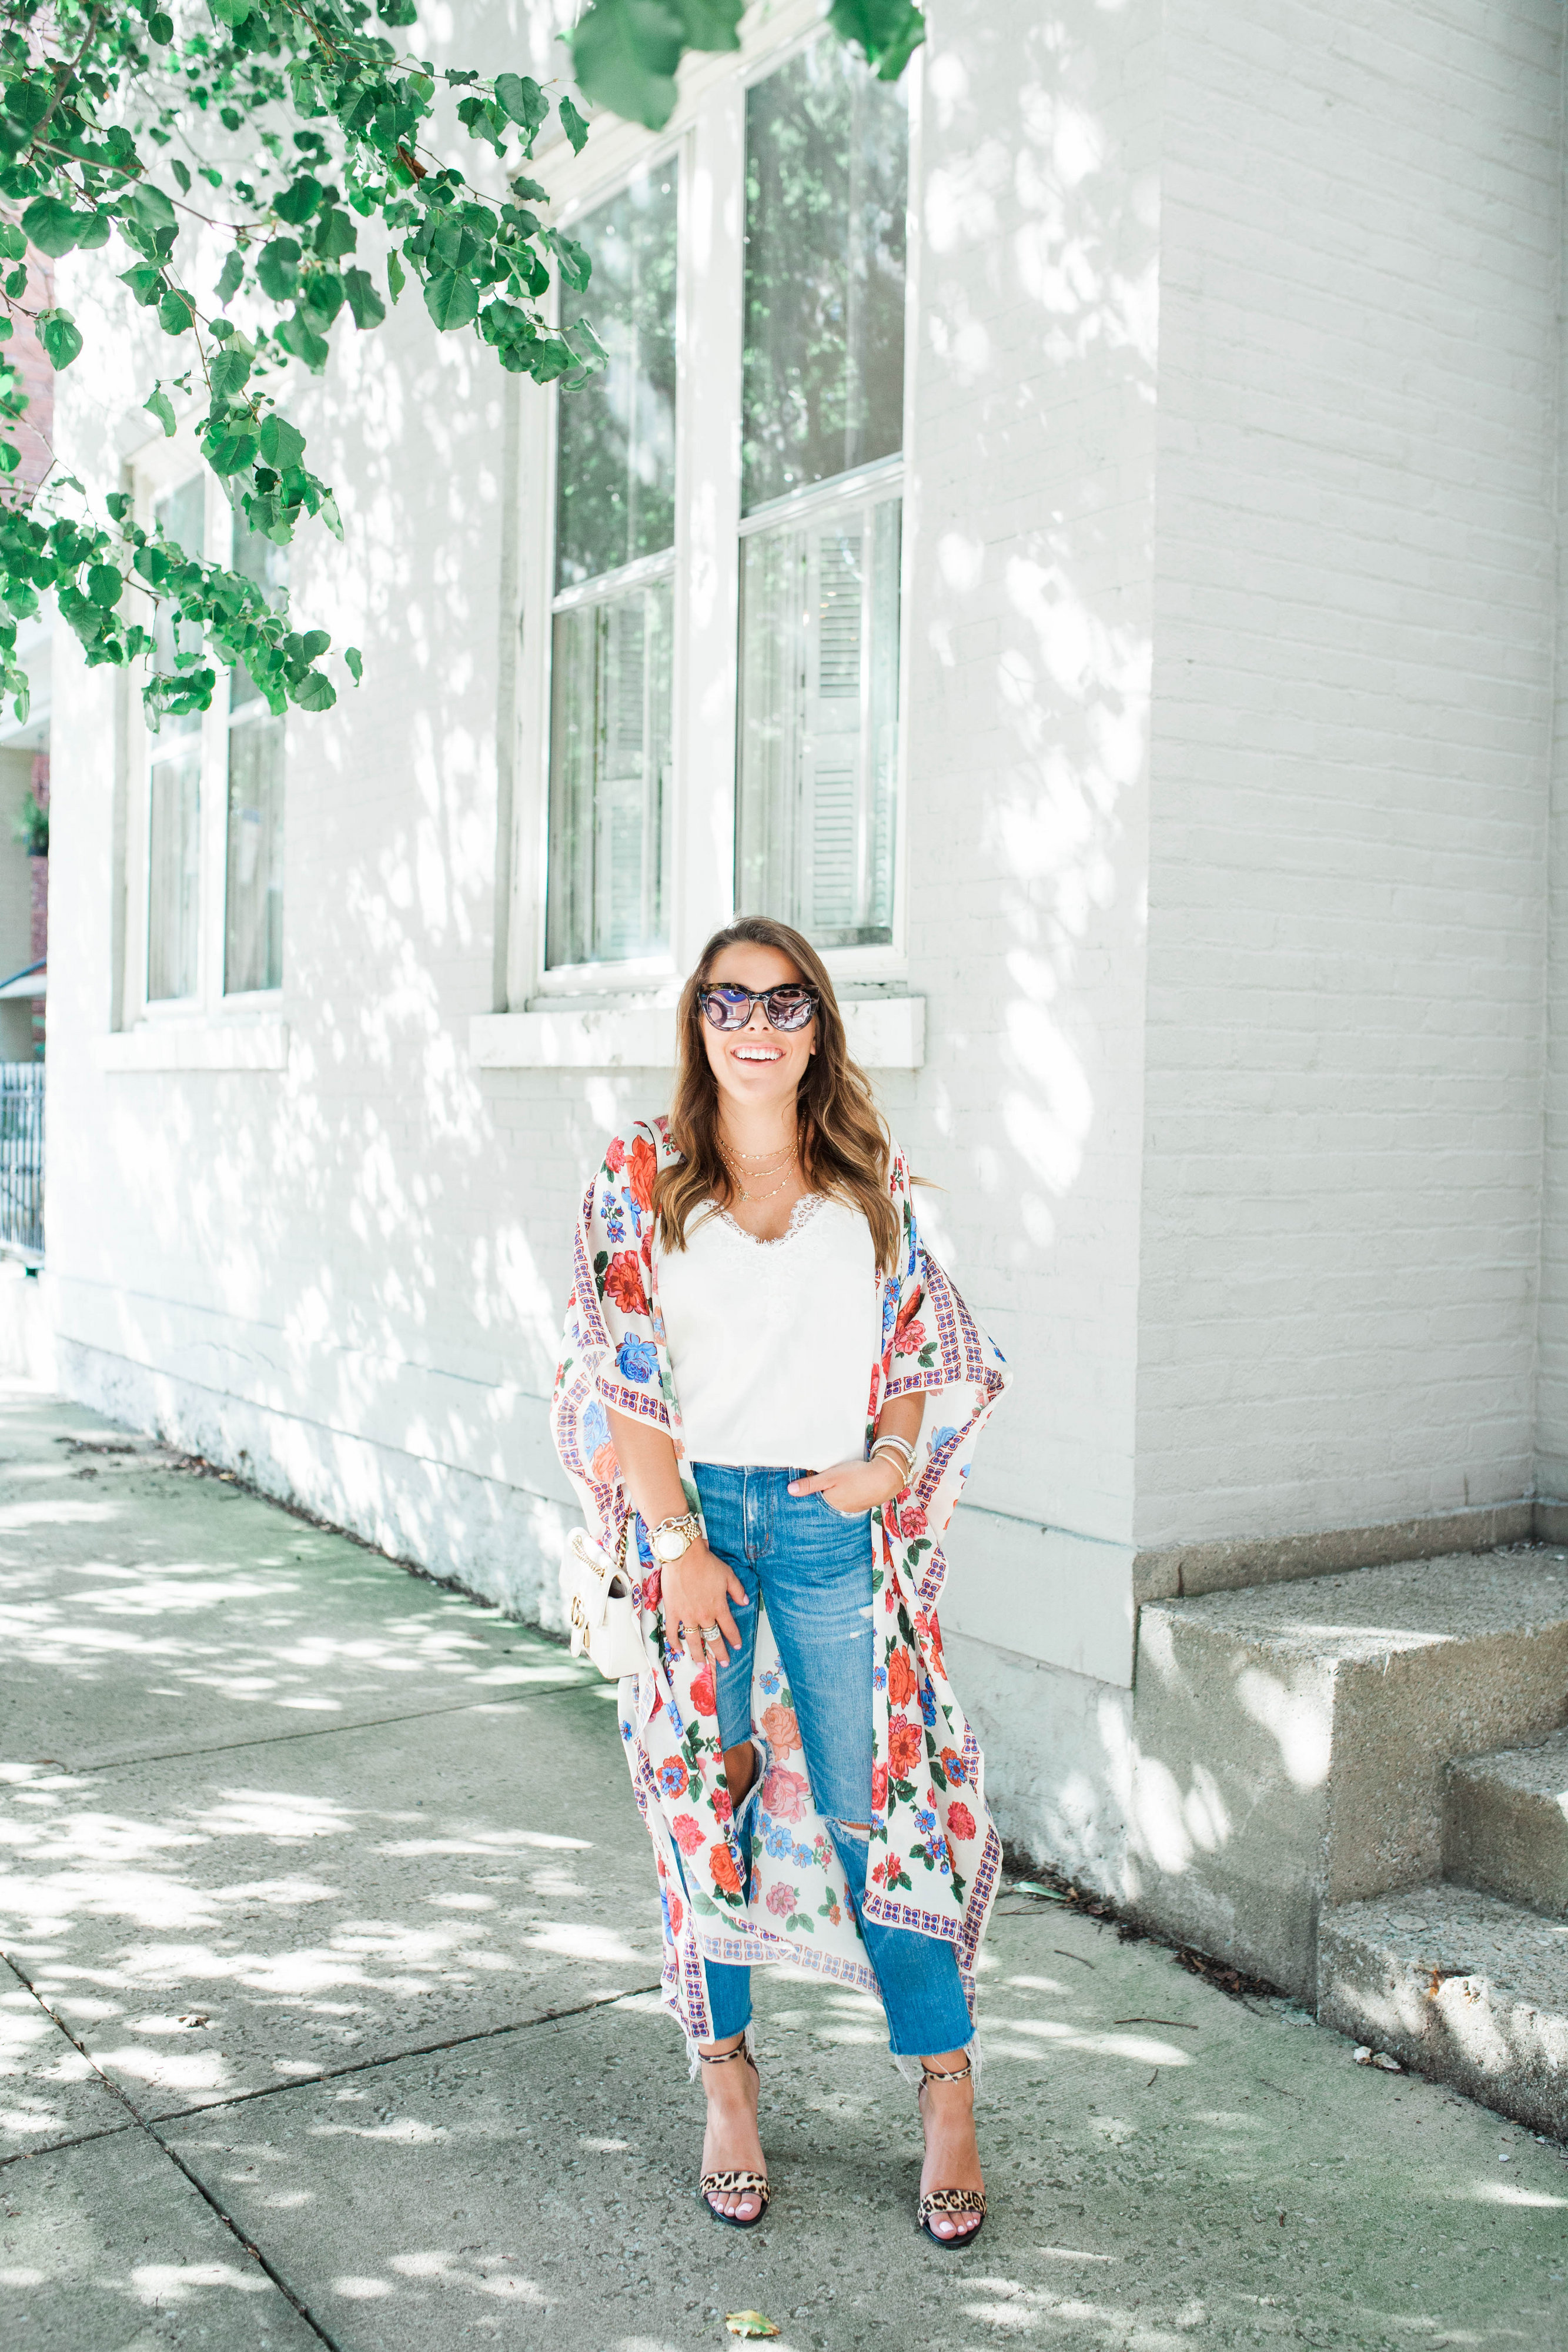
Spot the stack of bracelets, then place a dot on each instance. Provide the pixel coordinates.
(902, 1451)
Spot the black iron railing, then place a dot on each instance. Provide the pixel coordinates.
(21, 1158)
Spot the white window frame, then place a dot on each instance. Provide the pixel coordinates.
(706, 139)
(157, 469)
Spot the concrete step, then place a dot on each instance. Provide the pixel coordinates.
(1289, 1741)
(1505, 1824)
(1458, 1985)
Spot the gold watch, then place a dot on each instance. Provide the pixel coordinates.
(673, 1537)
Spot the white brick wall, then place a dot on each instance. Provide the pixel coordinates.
(1236, 383)
(1352, 715)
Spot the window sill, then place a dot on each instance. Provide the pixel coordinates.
(196, 1045)
(885, 1033)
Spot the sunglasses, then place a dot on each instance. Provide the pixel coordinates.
(786, 1008)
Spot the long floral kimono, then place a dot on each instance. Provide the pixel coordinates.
(934, 1854)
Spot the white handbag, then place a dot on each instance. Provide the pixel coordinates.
(605, 1626)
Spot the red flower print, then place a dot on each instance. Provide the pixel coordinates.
(783, 1731)
(653, 1588)
(603, 1465)
(904, 1748)
(615, 1158)
(721, 1861)
(785, 1795)
(676, 1915)
(879, 1874)
(894, 1864)
(644, 1165)
(688, 1833)
(909, 1339)
(960, 1822)
(723, 1809)
(623, 1282)
(901, 1680)
(781, 1901)
(703, 1695)
(930, 1632)
(879, 1788)
(953, 1766)
(912, 1519)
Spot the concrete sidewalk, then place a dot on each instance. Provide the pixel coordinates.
(329, 2019)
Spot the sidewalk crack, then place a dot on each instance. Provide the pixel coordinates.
(148, 2125)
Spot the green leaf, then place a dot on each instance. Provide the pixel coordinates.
(145, 282)
(231, 275)
(355, 661)
(397, 11)
(278, 267)
(231, 448)
(17, 282)
(10, 456)
(576, 129)
(366, 304)
(313, 643)
(282, 444)
(181, 175)
(712, 24)
(13, 244)
(175, 312)
(160, 407)
(104, 584)
(230, 12)
(886, 32)
(92, 230)
(53, 226)
(521, 96)
(576, 268)
(451, 298)
(160, 29)
(59, 336)
(623, 55)
(335, 236)
(297, 204)
(229, 372)
(314, 692)
(396, 276)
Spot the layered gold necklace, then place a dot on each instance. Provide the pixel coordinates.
(738, 1174)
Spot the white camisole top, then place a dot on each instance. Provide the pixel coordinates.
(772, 1343)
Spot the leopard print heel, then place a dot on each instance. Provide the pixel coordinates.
(733, 2184)
(949, 2201)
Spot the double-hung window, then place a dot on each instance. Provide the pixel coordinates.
(714, 720)
(205, 883)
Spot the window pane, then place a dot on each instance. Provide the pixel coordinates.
(818, 723)
(255, 557)
(181, 513)
(253, 943)
(826, 171)
(615, 467)
(174, 785)
(610, 778)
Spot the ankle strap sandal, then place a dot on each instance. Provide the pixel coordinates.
(949, 2201)
(733, 2184)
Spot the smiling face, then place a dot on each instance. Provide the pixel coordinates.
(758, 1068)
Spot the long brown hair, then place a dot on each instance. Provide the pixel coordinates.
(844, 1147)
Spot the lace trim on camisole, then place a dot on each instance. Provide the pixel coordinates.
(804, 1210)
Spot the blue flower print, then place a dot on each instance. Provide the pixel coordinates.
(595, 1427)
(776, 1840)
(635, 1361)
(614, 1222)
(879, 1678)
(770, 1681)
(944, 1436)
(925, 1822)
(928, 1703)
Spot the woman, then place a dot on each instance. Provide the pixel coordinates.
(747, 1274)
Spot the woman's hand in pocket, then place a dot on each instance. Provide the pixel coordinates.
(696, 1590)
(852, 1487)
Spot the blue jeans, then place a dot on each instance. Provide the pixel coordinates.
(810, 1566)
